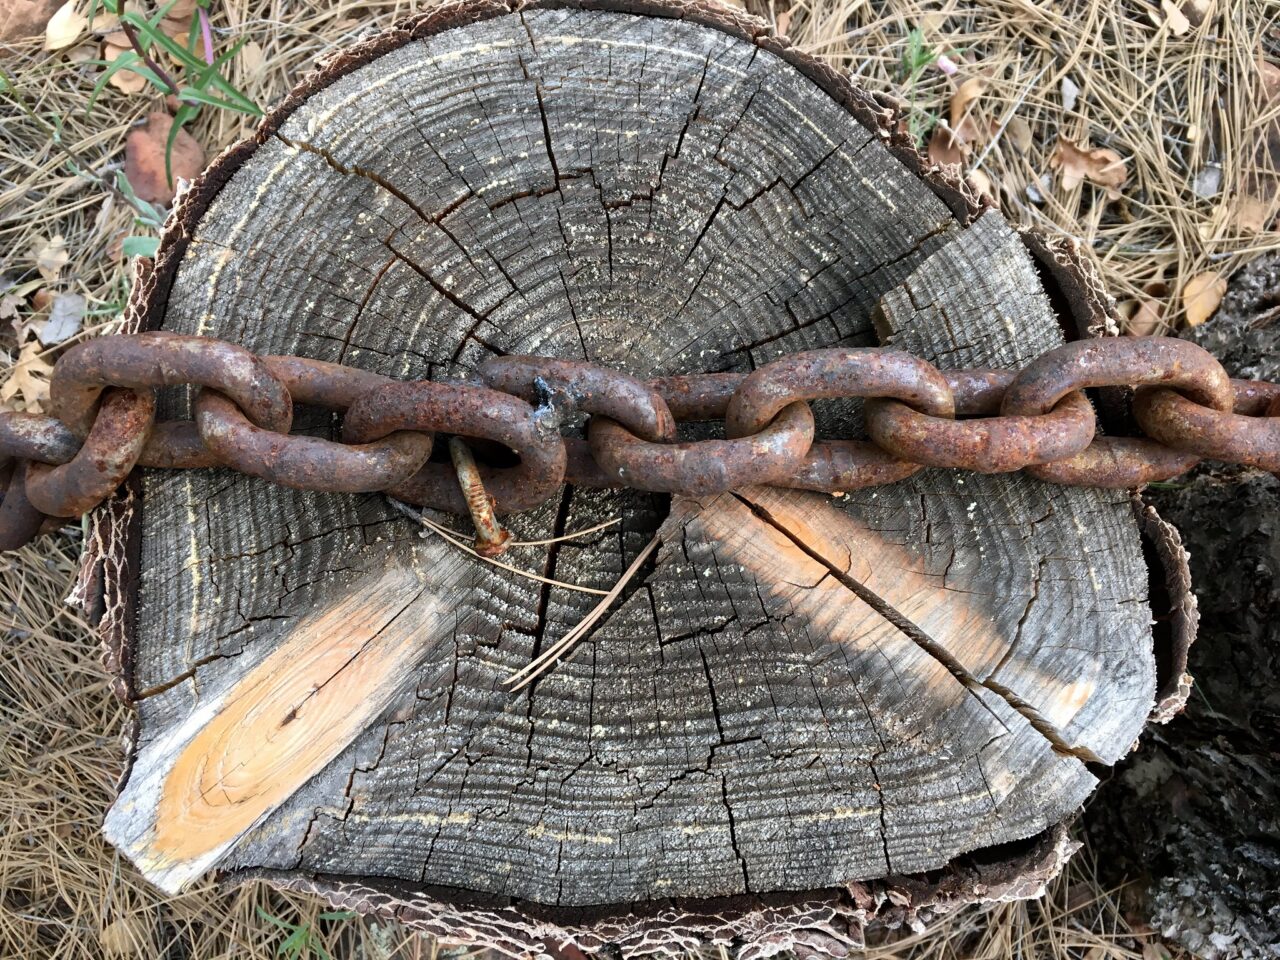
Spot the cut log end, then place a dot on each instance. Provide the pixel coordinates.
(802, 713)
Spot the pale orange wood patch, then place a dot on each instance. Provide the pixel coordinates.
(247, 749)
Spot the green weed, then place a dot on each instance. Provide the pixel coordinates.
(917, 57)
(300, 942)
(199, 81)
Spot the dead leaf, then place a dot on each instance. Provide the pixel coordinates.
(1097, 165)
(1259, 192)
(178, 30)
(252, 59)
(28, 385)
(125, 80)
(65, 317)
(50, 255)
(10, 301)
(1197, 11)
(24, 19)
(965, 94)
(64, 27)
(1178, 23)
(982, 183)
(126, 937)
(1208, 182)
(1019, 133)
(1070, 94)
(780, 24)
(1201, 296)
(1148, 313)
(945, 147)
(1155, 951)
(144, 158)
(182, 9)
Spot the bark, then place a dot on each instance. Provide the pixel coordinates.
(806, 713)
(1193, 816)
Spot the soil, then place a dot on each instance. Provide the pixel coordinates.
(1195, 812)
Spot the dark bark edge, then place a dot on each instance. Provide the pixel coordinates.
(822, 923)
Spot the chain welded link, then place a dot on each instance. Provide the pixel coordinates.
(103, 404)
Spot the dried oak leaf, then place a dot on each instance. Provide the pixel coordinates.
(125, 80)
(126, 937)
(1197, 11)
(24, 19)
(1178, 23)
(1146, 316)
(144, 158)
(51, 256)
(1259, 195)
(1098, 165)
(65, 318)
(1019, 133)
(968, 129)
(64, 27)
(1201, 296)
(28, 385)
(945, 146)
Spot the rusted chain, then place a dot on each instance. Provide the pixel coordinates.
(467, 411)
(116, 438)
(993, 444)
(103, 404)
(1248, 434)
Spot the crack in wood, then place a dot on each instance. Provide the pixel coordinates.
(927, 643)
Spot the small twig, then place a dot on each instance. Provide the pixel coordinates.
(568, 536)
(547, 659)
(147, 58)
(451, 536)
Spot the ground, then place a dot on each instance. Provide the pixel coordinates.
(1177, 97)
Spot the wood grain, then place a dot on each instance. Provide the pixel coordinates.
(798, 692)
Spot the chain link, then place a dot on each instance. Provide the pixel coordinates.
(103, 401)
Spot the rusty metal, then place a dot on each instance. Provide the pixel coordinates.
(30, 436)
(491, 538)
(471, 412)
(157, 359)
(1246, 435)
(1116, 463)
(116, 439)
(1118, 362)
(698, 396)
(836, 372)
(837, 466)
(20, 521)
(704, 466)
(590, 388)
(103, 403)
(311, 463)
(992, 444)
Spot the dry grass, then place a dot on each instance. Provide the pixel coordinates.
(1171, 106)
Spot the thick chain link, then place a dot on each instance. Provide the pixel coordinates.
(103, 401)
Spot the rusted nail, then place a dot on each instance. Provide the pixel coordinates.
(491, 539)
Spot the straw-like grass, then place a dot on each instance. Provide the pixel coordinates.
(1181, 110)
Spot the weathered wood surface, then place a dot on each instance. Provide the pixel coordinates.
(798, 692)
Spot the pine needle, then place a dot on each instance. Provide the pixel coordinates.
(544, 661)
(452, 537)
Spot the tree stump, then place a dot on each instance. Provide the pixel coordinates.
(806, 713)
